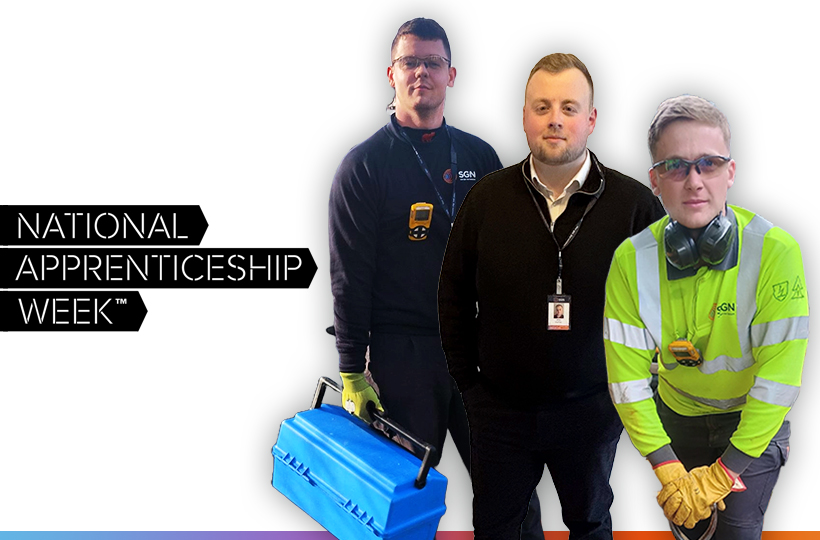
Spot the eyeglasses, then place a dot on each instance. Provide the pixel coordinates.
(678, 168)
(411, 63)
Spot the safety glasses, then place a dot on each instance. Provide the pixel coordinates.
(411, 63)
(678, 168)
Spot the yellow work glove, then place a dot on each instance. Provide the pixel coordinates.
(689, 499)
(669, 471)
(675, 506)
(356, 392)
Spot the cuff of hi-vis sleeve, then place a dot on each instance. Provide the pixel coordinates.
(737, 483)
(735, 460)
(661, 455)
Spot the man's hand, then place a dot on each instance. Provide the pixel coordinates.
(356, 392)
(688, 499)
(669, 471)
(676, 507)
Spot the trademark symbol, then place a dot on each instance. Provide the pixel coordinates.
(121, 301)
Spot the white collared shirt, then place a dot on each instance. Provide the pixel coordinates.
(557, 205)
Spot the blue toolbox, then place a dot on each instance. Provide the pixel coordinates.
(352, 479)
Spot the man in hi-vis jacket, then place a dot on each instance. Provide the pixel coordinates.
(720, 293)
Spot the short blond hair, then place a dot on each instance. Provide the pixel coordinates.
(686, 107)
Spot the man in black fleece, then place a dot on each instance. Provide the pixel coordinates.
(392, 203)
(528, 238)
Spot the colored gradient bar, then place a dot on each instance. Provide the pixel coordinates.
(308, 535)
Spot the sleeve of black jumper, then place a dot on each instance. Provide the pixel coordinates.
(457, 297)
(353, 224)
(648, 210)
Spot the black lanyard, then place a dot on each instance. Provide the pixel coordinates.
(451, 214)
(598, 192)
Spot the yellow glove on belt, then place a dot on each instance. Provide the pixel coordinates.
(356, 392)
(688, 499)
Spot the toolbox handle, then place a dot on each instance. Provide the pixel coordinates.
(678, 534)
(427, 448)
(319, 395)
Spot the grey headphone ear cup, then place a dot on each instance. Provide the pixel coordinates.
(716, 240)
(681, 250)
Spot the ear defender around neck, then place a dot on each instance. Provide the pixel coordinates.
(711, 247)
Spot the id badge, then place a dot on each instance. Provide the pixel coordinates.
(558, 312)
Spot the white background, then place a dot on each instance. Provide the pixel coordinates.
(246, 109)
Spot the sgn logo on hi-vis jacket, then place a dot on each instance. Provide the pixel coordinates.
(722, 309)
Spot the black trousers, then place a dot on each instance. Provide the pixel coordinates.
(700, 440)
(411, 377)
(510, 446)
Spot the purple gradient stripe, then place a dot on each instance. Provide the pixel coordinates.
(167, 535)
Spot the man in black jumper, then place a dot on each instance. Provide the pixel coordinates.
(392, 203)
(529, 238)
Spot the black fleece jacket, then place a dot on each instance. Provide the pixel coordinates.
(499, 268)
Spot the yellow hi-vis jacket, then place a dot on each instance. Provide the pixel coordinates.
(748, 316)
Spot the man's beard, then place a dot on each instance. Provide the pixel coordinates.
(426, 110)
(567, 156)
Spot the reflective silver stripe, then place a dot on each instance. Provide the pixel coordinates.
(774, 393)
(649, 287)
(716, 403)
(774, 332)
(748, 274)
(631, 391)
(626, 334)
(669, 366)
(648, 278)
(726, 363)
